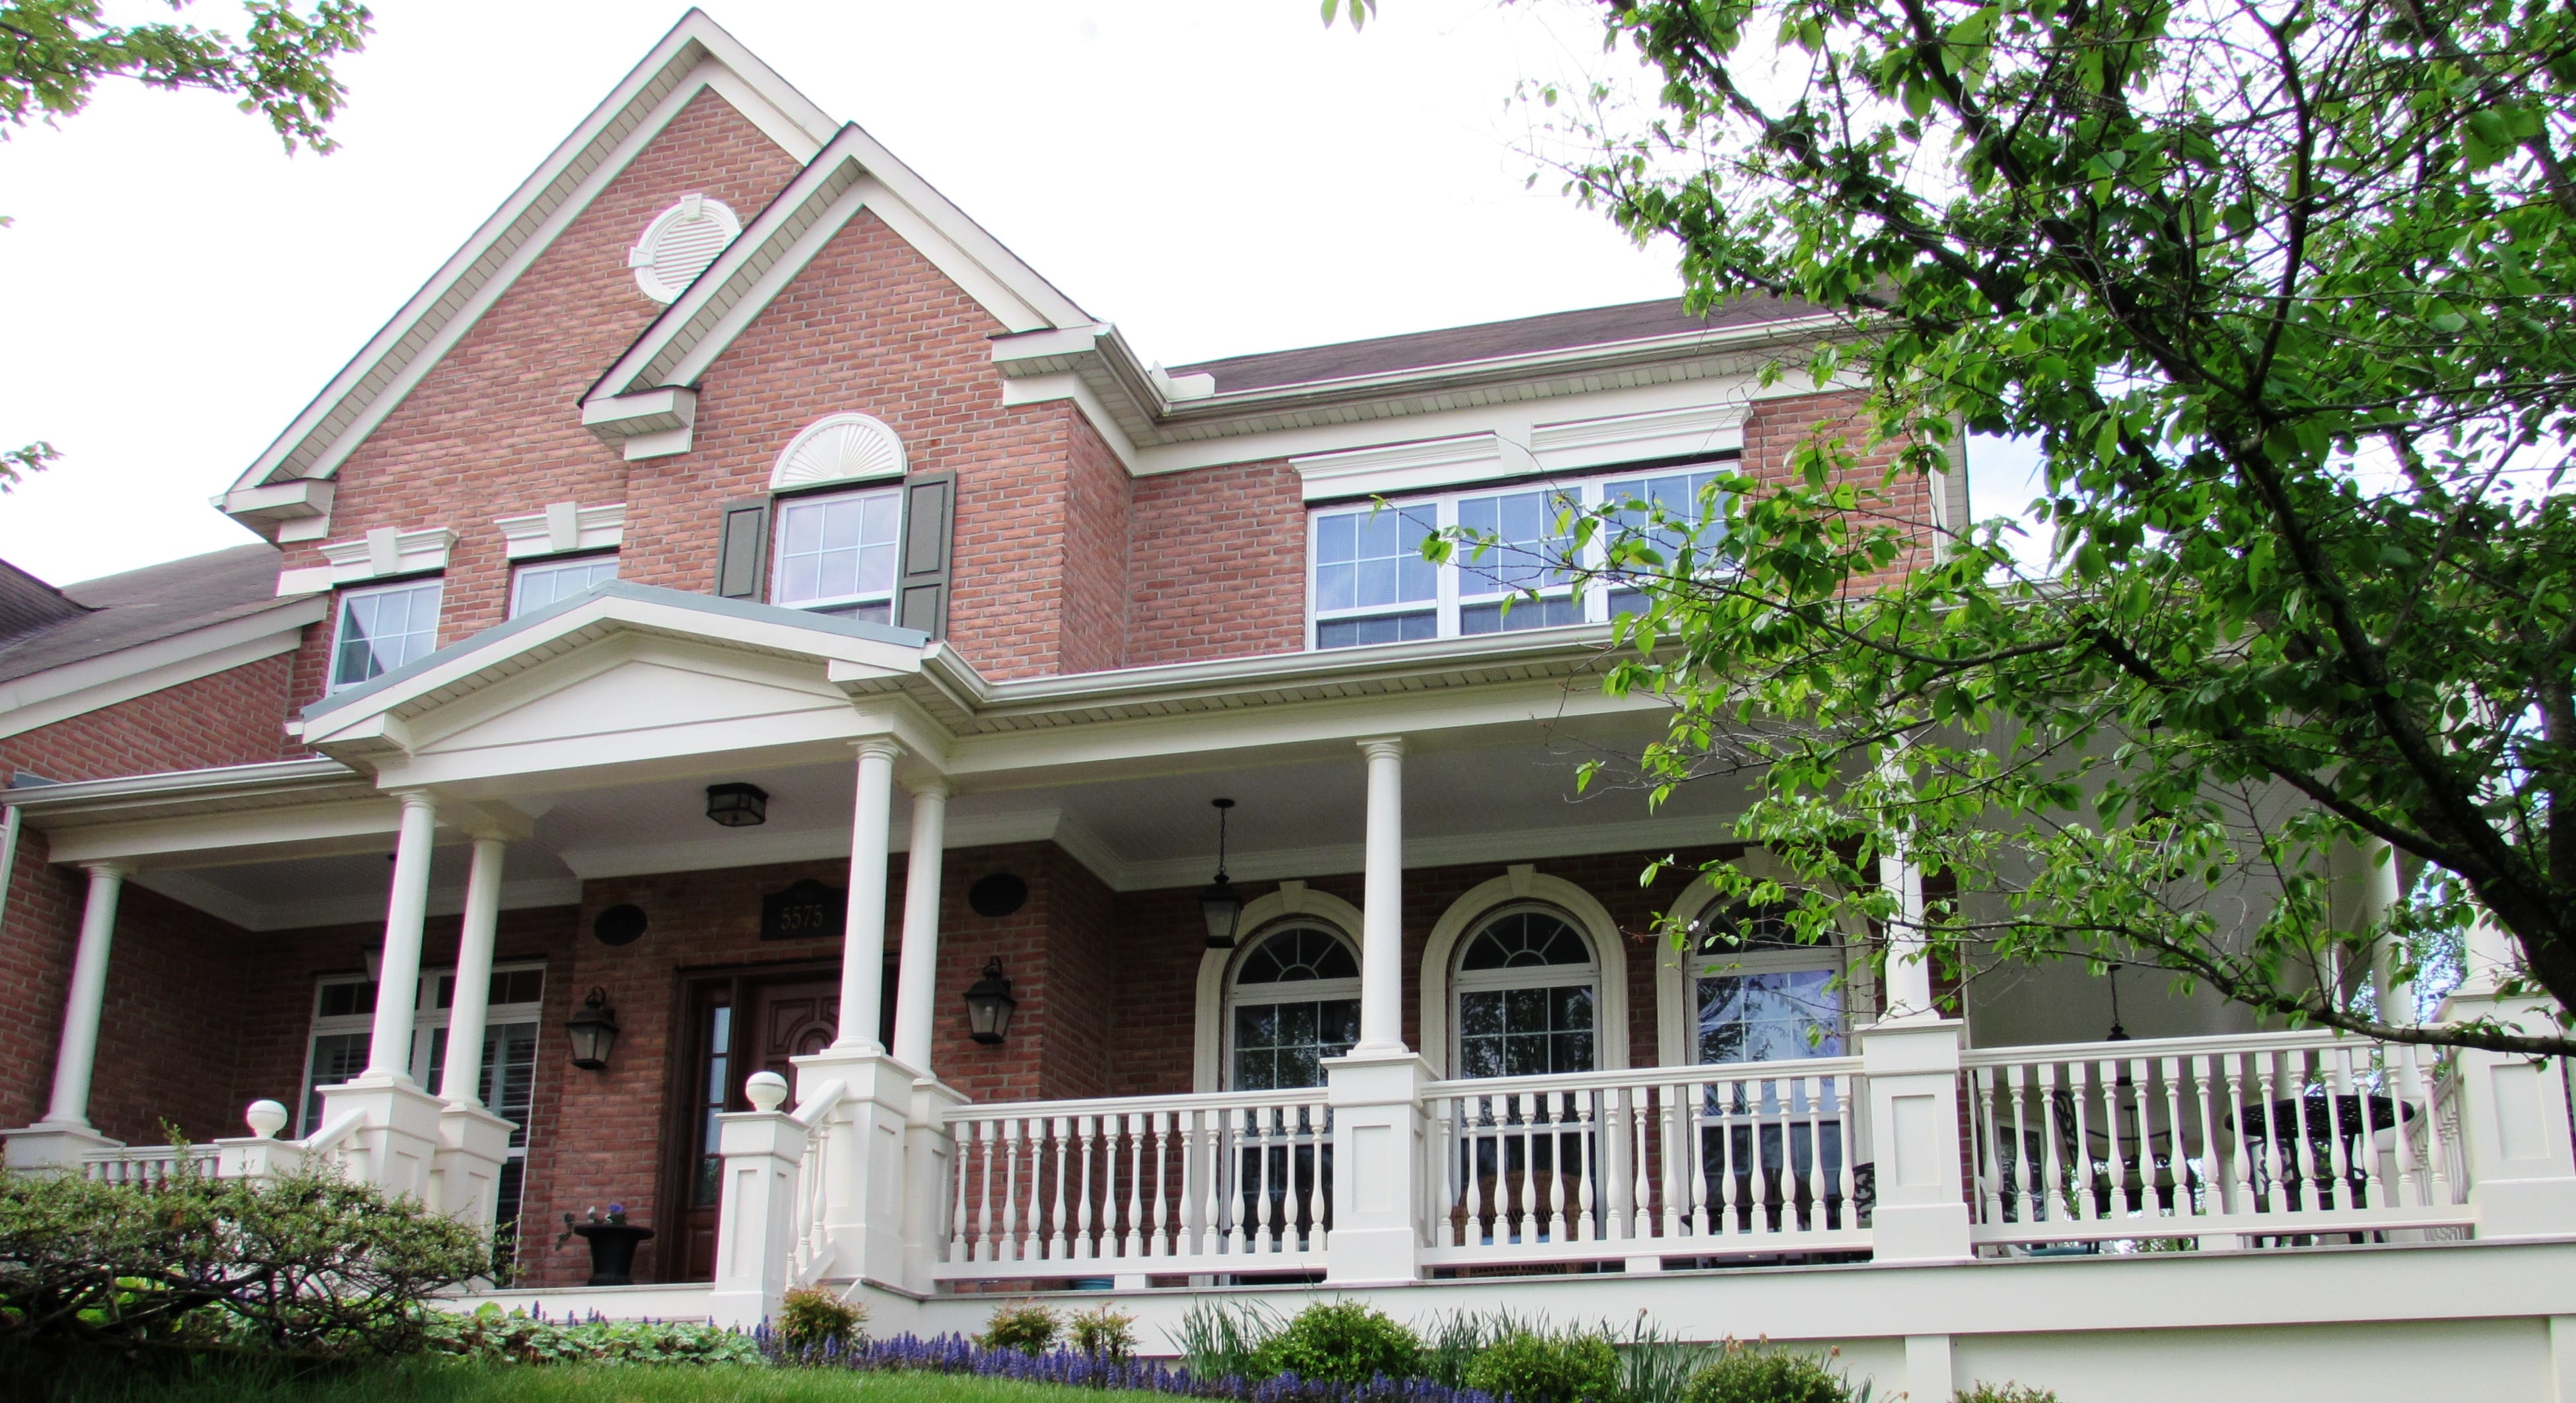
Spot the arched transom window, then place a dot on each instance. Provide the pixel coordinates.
(1294, 1001)
(1528, 993)
(1762, 994)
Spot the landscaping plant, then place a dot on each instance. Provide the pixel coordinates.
(1025, 1326)
(816, 1321)
(1106, 1333)
(1758, 1374)
(1528, 1367)
(1222, 1339)
(492, 1336)
(2003, 1393)
(1341, 1341)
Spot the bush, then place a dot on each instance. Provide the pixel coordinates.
(308, 1262)
(1106, 1333)
(1342, 1342)
(1533, 1368)
(1222, 1339)
(812, 1320)
(491, 1337)
(1027, 1327)
(1755, 1375)
(2004, 1393)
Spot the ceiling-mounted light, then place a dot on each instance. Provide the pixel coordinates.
(1220, 905)
(737, 805)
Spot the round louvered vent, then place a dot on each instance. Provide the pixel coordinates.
(679, 244)
(838, 448)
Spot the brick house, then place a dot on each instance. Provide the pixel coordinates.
(745, 601)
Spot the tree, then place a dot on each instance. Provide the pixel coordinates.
(2282, 290)
(54, 53)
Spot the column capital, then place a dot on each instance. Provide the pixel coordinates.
(1383, 747)
(881, 747)
(116, 871)
(416, 799)
(930, 786)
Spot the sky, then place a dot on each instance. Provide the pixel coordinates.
(1215, 178)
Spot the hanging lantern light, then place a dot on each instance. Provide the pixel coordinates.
(592, 1029)
(989, 1004)
(1220, 905)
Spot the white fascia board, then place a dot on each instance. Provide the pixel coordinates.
(1509, 845)
(1411, 467)
(51, 804)
(213, 838)
(619, 420)
(760, 848)
(60, 693)
(696, 54)
(563, 527)
(1690, 431)
(276, 501)
(382, 553)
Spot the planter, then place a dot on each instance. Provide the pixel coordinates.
(612, 1251)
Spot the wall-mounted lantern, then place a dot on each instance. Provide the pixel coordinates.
(593, 1031)
(989, 1004)
(737, 805)
(1220, 905)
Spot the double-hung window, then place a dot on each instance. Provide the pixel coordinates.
(1370, 583)
(383, 629)
(539, 583)
(836, 553)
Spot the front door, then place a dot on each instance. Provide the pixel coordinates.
(741, 1022)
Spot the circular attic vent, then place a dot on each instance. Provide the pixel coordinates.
(679, 244)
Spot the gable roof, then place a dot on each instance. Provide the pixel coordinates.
(696, 53)
(136, 607)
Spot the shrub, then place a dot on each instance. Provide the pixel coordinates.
(1026, 1326)
(812, 1320)
(1106, 1333)
(1534, 1368)
(309, 1262)
(1758, 1375)
(2004, 1393)
(1453, 1342)
(1222, 1339)
(489, 1336)
(1342, 1342)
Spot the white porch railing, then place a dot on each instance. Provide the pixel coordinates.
(145, 1164)
(2234, 1141)
(1162, 1185)
(1658, 1162)
(809, 1252)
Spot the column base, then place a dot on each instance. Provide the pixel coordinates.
(396, 1144)
(53, 1147)
(863, 1213)
(1378, 1175)
(465, 1169)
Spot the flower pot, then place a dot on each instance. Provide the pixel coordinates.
(612, 1251)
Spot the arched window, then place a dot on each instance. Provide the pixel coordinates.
(1762, 995)
(1528, 991)
(1294, 1001)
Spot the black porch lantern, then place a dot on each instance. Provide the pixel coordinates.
(737, 805)
(1220, 905)
(592, 1030)
(989, 1004)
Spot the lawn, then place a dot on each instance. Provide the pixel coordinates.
(428, 1381)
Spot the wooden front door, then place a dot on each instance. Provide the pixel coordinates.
(740, 1022)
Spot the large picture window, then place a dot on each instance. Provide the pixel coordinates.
(1370, 583)
(1528, 992)
(1295, 1002)
(836, 553)
(383, 629)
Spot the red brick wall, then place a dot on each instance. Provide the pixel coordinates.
(1095, 553)
(233, 717)
(1217, 564)
(495, 428)
(1775, 429)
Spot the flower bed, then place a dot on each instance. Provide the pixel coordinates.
(955, 1354)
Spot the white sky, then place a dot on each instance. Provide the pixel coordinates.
(1216, 178)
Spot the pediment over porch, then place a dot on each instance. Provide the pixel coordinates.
(623, 679)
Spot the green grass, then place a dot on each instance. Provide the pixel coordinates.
(426, 1381)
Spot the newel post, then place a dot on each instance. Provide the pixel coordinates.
(1379, 1197)
(2514, 1125)
(1912, 1072)
(756, 1205)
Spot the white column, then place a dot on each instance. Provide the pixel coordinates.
(1908, 994)
(917, 973)
(78, 1056)
(460, 1084)
(398, 974)
(2490, 954)
(1382, 902)
(863, 944)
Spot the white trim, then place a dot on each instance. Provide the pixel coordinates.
(1691, 431)
(696, 54)
(759, 847)
(649, 424)
(1523, 883)
(1411, 467)
(191, 888)
(645, 257)
(1216, 967)
(1573, 840)
(562, 528)
(839, 448)
(60, 693)
(383, 552)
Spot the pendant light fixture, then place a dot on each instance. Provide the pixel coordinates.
(1220, 905)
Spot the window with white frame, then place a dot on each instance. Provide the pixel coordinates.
(1294, 1001)
(1528, 994)
(539, 583)
(1370, 584)
(344, 1010)
(1761, 994)
(836, 553)
(383, 629)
